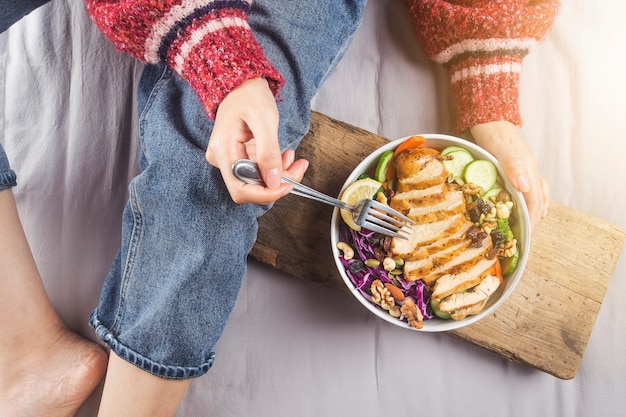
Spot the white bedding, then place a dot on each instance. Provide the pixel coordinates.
(295, 348)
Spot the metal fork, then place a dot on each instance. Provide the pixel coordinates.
(367, 213)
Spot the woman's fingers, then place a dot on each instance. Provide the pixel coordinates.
(246, 126)
(504, 141)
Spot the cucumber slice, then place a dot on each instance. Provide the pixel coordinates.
(460, 159)
(383, 166)
(452, 148)
(491, 195)
(434, 304)
(481, 173)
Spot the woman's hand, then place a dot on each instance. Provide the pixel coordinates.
(246, 126)
(504, 141)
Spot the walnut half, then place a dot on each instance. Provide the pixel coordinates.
(412, 314)
(508, 248)
(470, 189)
(381, 295)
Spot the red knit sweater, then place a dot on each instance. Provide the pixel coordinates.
(482, 43)
(209, 43)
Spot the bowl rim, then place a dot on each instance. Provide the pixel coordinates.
(435, 140)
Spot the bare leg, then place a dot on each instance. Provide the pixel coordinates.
(47, 370)
(129, 391)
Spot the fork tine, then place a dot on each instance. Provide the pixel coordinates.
(367, 214)
(387, 225)
(385, 218)
(385, 208)
(382, 230)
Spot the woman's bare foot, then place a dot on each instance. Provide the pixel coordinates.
(53, 379)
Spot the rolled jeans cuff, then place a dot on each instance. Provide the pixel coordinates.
(8, 178)
(144, 363)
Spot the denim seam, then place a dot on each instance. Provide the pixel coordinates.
(136, 232)
(133, 245)
(144, 363)
(7, 180)
(165, 75)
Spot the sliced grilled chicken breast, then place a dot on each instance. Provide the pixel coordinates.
(454, 203)
(451, 283)
(478, 294)
(465, 261)
(425, 234)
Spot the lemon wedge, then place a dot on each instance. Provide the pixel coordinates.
(363, 188)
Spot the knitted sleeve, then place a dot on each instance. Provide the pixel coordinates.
(208, 42)
(482, 43)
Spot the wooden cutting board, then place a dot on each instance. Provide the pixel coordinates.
(545, 323)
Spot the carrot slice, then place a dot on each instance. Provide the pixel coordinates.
(410, 142)
(497, 271)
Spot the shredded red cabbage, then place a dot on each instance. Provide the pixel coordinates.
(362, 276)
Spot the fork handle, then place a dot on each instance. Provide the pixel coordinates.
(248, 172)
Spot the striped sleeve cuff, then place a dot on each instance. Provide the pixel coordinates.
(485, 77)
(486, 91)
(483, 44)
(208, 42)
(213, 48)
(216, 54)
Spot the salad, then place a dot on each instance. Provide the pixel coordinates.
(378, 272)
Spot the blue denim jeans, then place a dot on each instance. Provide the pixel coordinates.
(7, 175)
(13, 10)
(185, 242)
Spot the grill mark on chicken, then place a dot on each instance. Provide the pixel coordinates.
(415, 198)
(450, 283)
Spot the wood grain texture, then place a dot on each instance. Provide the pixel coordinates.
(545, 323)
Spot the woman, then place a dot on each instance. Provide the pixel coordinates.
(209, 94)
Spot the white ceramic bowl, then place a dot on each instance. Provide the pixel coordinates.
(521, 230)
